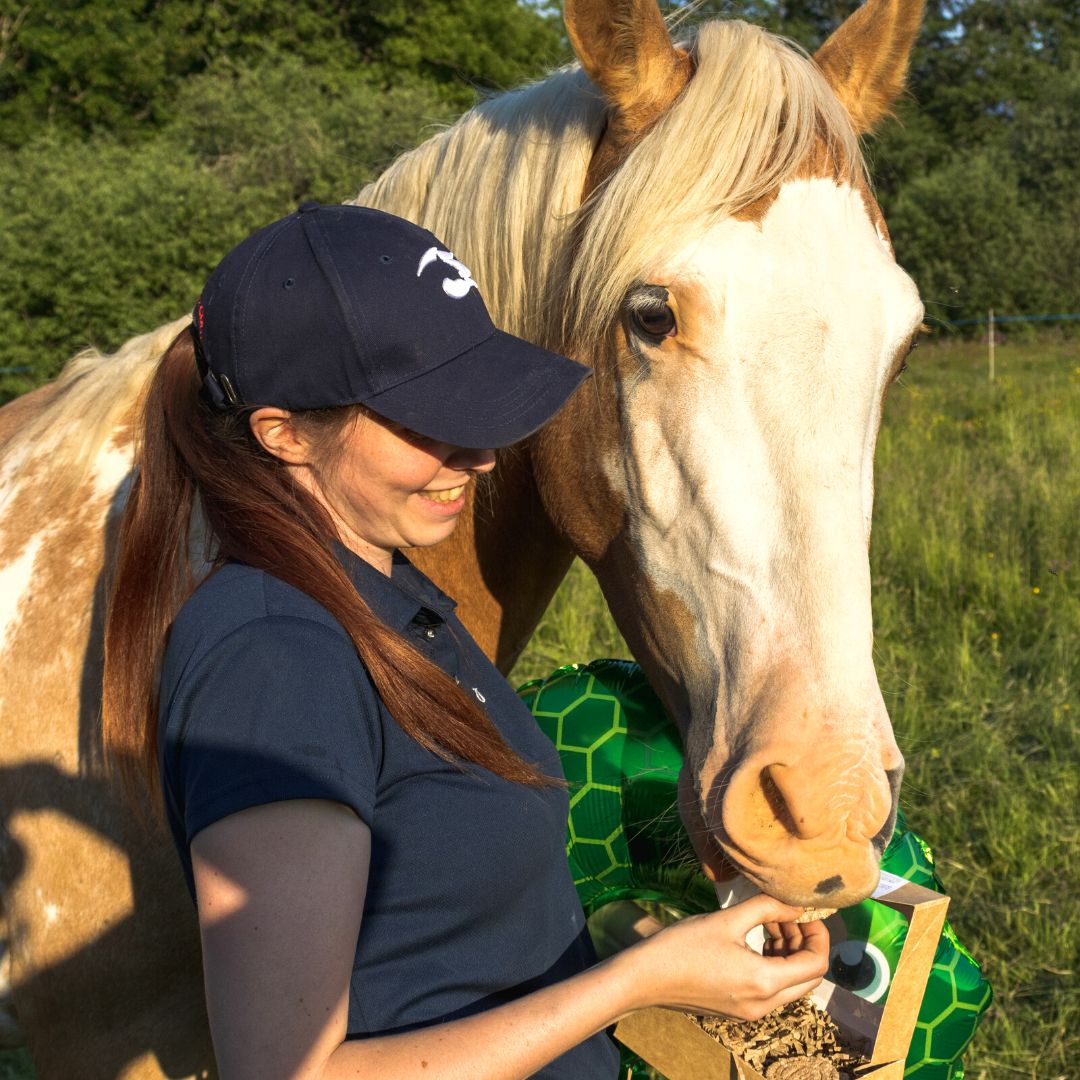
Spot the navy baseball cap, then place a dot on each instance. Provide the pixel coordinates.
(339, 305)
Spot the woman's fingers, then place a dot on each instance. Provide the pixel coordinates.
(786, 996)
(761, 909)
(789, 938)
(809, 962)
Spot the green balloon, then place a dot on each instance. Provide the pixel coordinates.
(625, 841)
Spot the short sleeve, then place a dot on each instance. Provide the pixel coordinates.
(281, 708)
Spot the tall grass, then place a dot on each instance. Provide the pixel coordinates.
(976, 561)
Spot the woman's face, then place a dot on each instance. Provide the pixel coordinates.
(391, 488)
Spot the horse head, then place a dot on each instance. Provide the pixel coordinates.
(732, 282)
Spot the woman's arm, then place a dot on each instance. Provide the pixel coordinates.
(280, 893)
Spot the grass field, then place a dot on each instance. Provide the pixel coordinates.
(976, 562)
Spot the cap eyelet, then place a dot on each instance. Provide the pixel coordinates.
(288, 283)
(385, 259)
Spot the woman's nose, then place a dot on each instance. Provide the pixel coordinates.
(478, 461)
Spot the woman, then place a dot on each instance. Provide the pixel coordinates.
(370, 822)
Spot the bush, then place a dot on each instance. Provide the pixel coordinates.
(102, 240)
(973, 239)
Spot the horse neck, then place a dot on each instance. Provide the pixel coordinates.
(503, 562)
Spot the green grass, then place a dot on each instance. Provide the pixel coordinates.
(976, 562)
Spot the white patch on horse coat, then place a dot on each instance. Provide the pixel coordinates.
(15, 580)
(751, 449)
(112, 467)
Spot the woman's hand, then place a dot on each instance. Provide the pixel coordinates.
(703, 964)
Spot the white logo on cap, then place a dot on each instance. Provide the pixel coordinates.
(453, 287)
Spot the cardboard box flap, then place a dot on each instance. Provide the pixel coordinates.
(675, 1045)
(925, 911)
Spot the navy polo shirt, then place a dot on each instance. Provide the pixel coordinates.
(469, 901)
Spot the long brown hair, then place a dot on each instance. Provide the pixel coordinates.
(255, 514)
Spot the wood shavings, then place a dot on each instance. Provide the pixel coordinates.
(799, 1037)
(802, 1068)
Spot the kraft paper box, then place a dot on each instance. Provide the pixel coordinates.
(674, 1045)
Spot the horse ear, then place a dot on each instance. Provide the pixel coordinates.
(866, 60)
(625, 48)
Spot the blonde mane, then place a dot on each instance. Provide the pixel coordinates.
(504, 184)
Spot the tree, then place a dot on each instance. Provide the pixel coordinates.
(91, 65)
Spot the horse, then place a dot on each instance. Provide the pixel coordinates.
(695, 222)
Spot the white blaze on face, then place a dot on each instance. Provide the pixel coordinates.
(749, 451)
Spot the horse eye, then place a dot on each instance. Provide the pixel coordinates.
(911, 348)
(654, 322)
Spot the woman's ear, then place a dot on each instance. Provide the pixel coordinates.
(276, 434)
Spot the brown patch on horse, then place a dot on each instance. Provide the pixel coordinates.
(503, 567)
(825, 162)
(95, 906)
(866, 60)
(95, 909)
(15, 415)
(625, 48)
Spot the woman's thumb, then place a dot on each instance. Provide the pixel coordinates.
(762, 909)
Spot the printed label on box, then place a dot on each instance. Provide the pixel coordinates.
(888, 883)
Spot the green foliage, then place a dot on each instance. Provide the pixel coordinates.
(964, 231)
(118, 65)
(102, 240)
(16, 1065)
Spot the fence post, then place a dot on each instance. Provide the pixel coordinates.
(990, 322)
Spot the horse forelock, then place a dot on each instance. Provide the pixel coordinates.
(503, 185)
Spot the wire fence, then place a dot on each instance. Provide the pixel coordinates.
(993, 320)
(990, 317)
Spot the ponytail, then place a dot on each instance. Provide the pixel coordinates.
(187, 455)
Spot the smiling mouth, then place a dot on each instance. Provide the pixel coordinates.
(447, 495)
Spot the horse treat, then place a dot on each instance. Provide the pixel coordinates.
(795, 1042)
(810, 914)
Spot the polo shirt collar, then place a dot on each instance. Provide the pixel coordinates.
(398, 599)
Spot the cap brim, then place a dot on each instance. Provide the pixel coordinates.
(492, 395)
